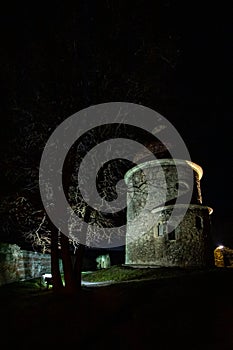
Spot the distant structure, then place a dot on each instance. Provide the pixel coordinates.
(103, 261)
(188, 244)
(223, 256)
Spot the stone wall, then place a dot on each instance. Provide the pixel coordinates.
(190, 243)
(223, 257)
(162, 181)
(162, 227)
(17, 264)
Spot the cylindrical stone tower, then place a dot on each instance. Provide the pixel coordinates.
(167, 225)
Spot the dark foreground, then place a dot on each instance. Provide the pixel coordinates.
(187, 312)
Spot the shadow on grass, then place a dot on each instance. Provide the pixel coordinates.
(194, 311)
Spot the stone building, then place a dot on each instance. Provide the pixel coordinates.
(18, 265)
(223, 256)
(167, 224)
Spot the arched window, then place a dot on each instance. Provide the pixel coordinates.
(160, 229)
(199, 222)
(168, 230)
(171, 233)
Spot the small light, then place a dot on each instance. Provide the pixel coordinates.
(220, 247)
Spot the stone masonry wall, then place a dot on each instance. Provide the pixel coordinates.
(223, 257)
(17, 264)
(157, 183)
(189, 247)
(153, 189)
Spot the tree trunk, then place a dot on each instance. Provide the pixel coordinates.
(70, 283)
(72, 268)
(77, 269)
(55, 268)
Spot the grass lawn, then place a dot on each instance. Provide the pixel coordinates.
(192, 310)
(119, 273)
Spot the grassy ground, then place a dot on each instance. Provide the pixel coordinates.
(120, 273)
(188, 311)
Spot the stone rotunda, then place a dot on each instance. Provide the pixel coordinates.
(167, 224)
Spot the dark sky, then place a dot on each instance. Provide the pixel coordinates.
(172, 56)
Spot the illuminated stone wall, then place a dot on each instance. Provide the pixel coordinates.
(17, 264)
(189, 244)
(223, 257)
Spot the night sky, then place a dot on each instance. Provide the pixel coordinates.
(172, 56)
